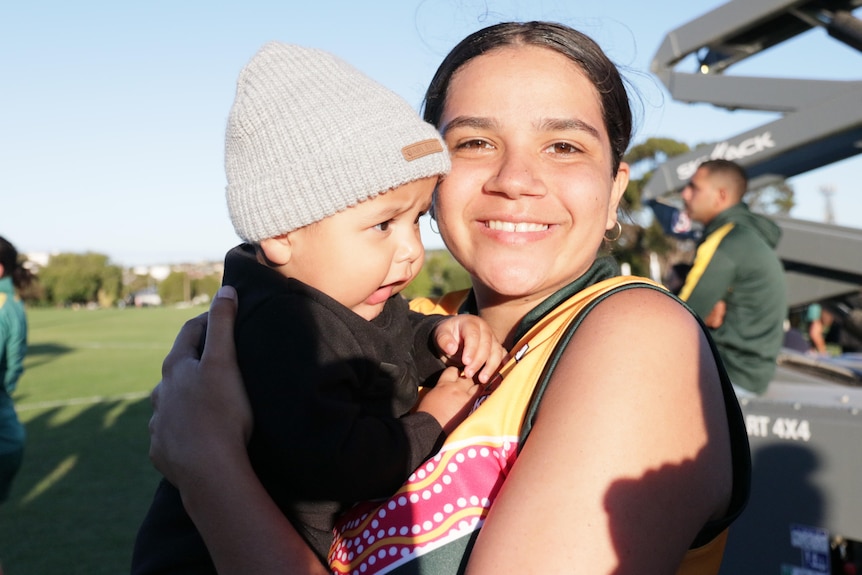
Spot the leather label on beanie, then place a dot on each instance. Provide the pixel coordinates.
(421, 149)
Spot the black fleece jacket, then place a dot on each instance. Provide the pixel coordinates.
(331, 395)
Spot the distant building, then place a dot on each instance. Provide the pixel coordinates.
(158, 273)
(148, 297)
(36, 260)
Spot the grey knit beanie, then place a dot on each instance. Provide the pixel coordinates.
(309, 135)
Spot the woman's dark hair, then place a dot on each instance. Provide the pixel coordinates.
(21, 276)
(577, 47)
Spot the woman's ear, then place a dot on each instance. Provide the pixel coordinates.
(621, 182)
(277, 250)
(432, 210)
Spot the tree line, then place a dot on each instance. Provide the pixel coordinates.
(73, 279)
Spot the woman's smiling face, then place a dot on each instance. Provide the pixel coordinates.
(531, 192)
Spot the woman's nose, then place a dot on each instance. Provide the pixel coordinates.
(517, 175)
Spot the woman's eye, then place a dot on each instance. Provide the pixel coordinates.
(383, 226)
(473, 145)
(563, 148)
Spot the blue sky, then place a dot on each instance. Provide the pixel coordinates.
(113, 113)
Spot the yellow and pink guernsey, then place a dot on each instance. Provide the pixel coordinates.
(429, 525)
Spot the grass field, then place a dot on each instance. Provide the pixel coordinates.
(86, 480)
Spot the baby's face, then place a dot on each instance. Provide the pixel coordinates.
(364, 254)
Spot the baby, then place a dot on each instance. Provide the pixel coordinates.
(328, 174)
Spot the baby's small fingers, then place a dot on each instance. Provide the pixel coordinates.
(474, 342)
(489, 354)
(496, 355)
(447, 343)
(487, 373)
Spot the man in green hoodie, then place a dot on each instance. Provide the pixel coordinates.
(736, 282)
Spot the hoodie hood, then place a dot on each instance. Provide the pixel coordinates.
(741, 215)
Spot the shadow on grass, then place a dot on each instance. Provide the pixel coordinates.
(42, 353)
(83, 489)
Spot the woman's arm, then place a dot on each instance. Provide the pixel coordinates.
(629, 455)
(198, 432)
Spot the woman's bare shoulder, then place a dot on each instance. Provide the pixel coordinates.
(637, 327)
(630, 439)
(641, 370)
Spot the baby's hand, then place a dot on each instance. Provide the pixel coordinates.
(451, 400)
(467, 341)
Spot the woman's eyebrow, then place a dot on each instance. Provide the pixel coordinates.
(548, 124)
(468, 122)
(562, 124)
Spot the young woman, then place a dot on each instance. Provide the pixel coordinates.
(613, 443)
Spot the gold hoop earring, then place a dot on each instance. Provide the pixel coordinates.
(432, 213)
(619, 232)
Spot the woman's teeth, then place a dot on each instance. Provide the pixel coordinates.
(519, 227)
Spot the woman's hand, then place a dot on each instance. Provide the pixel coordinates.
(201, 413)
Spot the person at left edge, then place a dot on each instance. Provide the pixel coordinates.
(13, 348)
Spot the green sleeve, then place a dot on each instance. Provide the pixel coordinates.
(13, 335)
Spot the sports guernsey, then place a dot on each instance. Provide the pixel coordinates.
(431, 522)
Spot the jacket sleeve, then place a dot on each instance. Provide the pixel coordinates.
(710, 279)
(13, 335)
(313, 438)
(428, 363)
